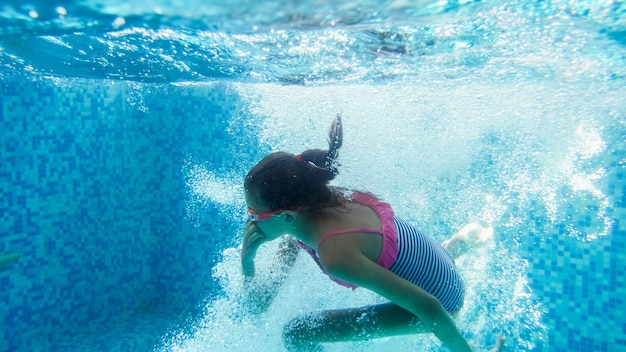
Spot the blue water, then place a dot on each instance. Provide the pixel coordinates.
(127, 127)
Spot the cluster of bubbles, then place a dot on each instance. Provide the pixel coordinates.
(510, 156)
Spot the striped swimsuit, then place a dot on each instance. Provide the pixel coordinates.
(409, 254)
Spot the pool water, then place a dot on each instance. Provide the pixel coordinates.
(127, 128)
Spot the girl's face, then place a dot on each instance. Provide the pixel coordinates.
(273, 224)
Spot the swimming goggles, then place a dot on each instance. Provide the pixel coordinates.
(256, 217)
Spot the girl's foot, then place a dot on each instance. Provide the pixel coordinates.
(470, 236)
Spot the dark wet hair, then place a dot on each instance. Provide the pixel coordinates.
(298, 182)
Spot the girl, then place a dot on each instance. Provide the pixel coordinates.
(355, 239)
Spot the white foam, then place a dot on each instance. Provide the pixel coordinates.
(205, 188)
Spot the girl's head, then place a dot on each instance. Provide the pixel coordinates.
(283, 181)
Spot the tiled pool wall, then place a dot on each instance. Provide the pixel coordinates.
(93, 197)
(582, 283)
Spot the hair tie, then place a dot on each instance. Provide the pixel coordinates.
(299, 157)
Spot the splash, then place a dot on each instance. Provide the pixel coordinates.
(499, 299)
(205, 189)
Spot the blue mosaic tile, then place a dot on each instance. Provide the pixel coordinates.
(92, 197)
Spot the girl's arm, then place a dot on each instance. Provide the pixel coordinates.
(259, 292)
(349, 264)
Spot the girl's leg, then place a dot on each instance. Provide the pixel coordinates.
(305, 333)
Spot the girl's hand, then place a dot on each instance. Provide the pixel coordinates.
(253, 237)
